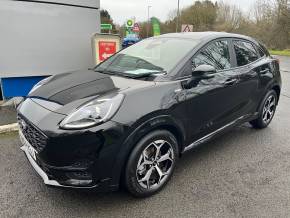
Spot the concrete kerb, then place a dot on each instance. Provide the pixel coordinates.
(9, 128)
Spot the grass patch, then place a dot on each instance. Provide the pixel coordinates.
(280, 52)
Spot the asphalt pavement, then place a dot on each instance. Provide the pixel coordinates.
(244, 173)
(7, 115)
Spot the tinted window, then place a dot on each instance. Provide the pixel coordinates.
(261, 51)
(245, 52)
(216, 54)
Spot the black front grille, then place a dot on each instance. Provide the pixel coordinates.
(36, 138)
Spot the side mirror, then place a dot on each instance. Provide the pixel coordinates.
(203, 71)
(200, 73)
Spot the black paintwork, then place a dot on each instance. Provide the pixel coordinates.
(189, 107)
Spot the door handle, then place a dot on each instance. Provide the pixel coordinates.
(231, 82)
(264, 71)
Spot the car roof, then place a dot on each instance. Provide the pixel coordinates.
(204, 36)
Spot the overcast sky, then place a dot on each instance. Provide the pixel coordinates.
(121, 10)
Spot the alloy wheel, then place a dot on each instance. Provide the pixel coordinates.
(269, 109)
(155, 164)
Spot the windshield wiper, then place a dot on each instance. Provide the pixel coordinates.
(131, 75)
(141, 75)
(109, 72)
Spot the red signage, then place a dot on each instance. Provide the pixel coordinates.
(136, 27)
(106, 49)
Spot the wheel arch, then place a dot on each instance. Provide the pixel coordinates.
(277, 89)
(164, 122)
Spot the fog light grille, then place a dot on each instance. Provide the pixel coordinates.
(80, 178)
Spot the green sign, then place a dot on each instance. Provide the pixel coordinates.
(106, 26)
(155, 26)
(129, 23)
(128, 32)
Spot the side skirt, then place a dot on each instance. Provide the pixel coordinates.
(211, 135)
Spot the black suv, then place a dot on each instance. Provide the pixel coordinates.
(129, 119)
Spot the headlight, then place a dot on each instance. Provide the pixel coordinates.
(40, 83)
(93, 113)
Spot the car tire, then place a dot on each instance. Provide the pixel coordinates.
(151, 163)
(267, 111)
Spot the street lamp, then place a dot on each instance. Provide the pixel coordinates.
(178, 15)
(148, 24)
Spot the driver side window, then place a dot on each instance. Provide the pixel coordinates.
(215, 54)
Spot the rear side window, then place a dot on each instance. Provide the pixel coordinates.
(245, 52)
(261, 51)
(215, 54)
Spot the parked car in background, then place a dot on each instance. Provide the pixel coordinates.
(130, 40)
(130, 119)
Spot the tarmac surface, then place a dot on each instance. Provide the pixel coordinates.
(7, 115)
(244, 173)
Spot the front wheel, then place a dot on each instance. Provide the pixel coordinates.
(266, 111)
(151, 163)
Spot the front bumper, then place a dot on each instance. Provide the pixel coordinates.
(101, 187)
(40, 172)
(74, 159)
(46, 179)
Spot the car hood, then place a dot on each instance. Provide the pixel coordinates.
(67, 91)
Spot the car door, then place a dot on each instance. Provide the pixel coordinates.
(248, 63)
(266, 67)
(215, 101)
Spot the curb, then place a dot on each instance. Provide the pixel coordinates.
(9, 128)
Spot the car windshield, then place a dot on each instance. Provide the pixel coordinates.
(150, 56)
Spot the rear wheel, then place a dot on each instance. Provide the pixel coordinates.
(151, 163)
(266, 111)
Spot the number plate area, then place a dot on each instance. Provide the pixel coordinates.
(32, 152)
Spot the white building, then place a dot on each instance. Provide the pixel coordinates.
(44, 37)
